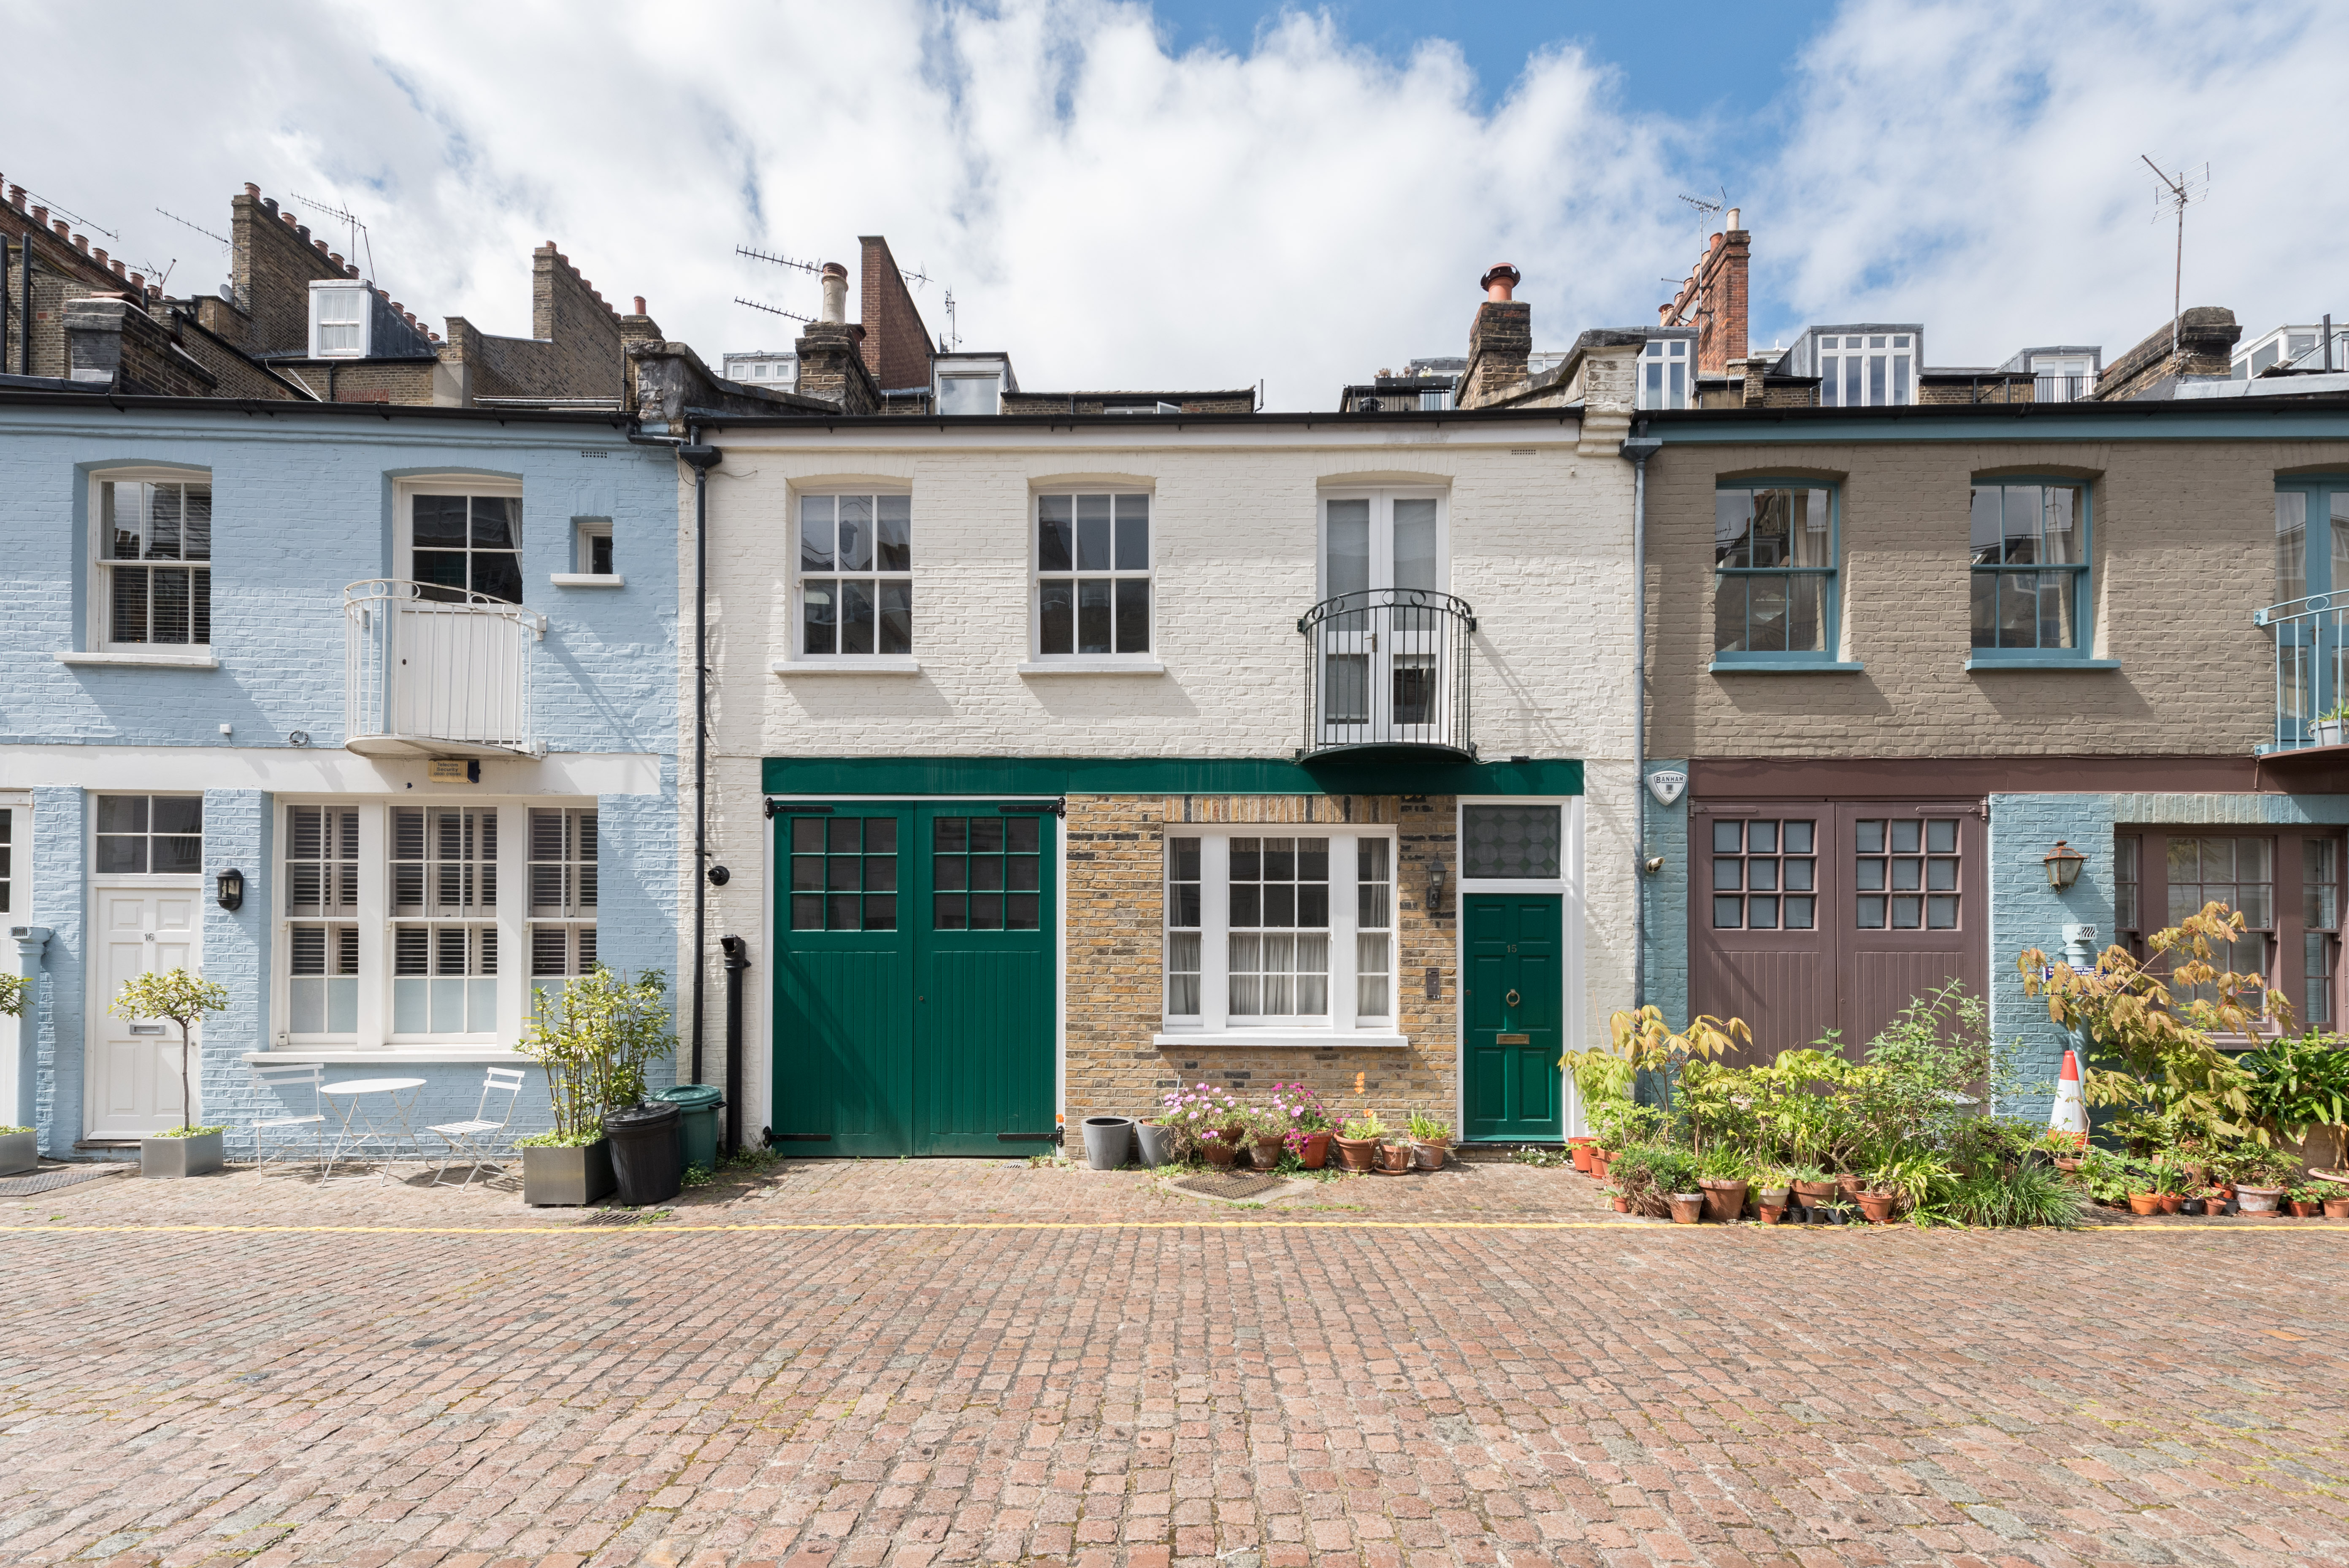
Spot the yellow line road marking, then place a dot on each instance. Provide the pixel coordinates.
(642, 1227)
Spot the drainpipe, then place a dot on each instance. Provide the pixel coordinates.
(738, 959)
(32, 942)
(702, 458)
(4, 306)
(25, 306)
(1639, 448)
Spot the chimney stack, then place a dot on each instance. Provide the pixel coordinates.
(1500, 339)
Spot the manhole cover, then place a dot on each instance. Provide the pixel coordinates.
(50, 1180)
(1230, 1183)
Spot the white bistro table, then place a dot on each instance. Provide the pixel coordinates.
(383, 1128)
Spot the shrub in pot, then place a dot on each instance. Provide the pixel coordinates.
(1221, 1149)
(594, 1039)
(1430, 1141)
(1193, 1112)
(183, 999)
(1358, 1139)
(1307, 1133)
(1722, 1177)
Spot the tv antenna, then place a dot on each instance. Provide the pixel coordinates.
(772, 309)
(199, 228)
(757, 256)
(1704, 212)
(68, 213)
(951, 338)
(358, 230)
(2177, 192)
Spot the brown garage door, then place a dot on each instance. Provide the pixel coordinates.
(1812, 916)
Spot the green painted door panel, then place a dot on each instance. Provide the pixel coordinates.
(914, 980)
(1513, 996)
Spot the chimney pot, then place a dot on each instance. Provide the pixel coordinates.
(81, 243)
(1732, 221)
(835, 294)
(351, 270)
(138, 281)
(40, 214)
(320, 243)
(16, 196)
(119, 270)
(640, 305)
(252, 189)
(98, 256)
(1500, 282)
(330, 256)
(269, 202)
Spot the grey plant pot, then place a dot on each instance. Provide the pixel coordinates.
(174, 1157)
(1109, 1141)
(566, 1178)
(19, 1152)
(1155, 1143)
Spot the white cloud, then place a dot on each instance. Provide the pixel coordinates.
(1304, 211)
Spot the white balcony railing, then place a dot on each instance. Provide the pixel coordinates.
(2311, 671)
(1388, 669)
(436, 671)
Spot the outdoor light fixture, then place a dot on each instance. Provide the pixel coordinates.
(2063, 863)
(1434, 887)
(230, 889)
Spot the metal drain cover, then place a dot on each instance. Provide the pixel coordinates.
(1230, 1183)
(50, 1180)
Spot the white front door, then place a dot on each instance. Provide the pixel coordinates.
(132, 1086)
(15, 909)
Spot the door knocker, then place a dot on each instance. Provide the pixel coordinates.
(1511, 999)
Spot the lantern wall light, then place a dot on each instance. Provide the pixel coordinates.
(2063, 863)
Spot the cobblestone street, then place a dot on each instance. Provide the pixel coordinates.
(982, 1362)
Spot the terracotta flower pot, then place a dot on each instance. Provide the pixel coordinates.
(1622, 1204)
(1354, 1153)
(1394, 1159)
(1772, 1213)
(2065, 1162)
(1814, 1193)
(1219, 1153)
(1582, 1141)
(2258, 1200)
(1430, 1154)
(1688, 1208)
(1316, 1153)
(1267, 1151)
(2336, 1208)
(1847, 1183)
(1724, 1201)
(2171, 1202)
(1583, 1156)
(1877, 1206)
(2303, 1210)
(1598, 1164)
(2144, 1202)
(1775, 1197)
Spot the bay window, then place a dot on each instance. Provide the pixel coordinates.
(1280, 935)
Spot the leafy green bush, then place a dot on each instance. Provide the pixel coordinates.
(2028, 1195)
(2300, 1082)
(594, 1037)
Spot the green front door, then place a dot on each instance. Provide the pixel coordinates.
(1513, 996)
(914, 974)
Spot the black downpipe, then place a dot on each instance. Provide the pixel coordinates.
(737, 960)
(702, 459)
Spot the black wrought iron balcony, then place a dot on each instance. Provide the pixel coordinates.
(1388, 668)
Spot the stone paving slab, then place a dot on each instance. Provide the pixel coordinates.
(1051, 1365)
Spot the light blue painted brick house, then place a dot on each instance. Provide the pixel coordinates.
(410, 672)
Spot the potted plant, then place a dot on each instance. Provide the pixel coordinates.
(1267, 1133)
(1155, 1141)
(2336, 1204)
(20, 1148)
(1812, 1185)
(2214, 1201)
(1774, 1194)
(1616, 1194)
(1358, 1138)
(594, 1038)
(2307, 1202)
(1688, 1208)
(1395, 1155)
(2332, 723)
(1430, 1141)
(1722, 1177)
(176, 994)
(1309, 1124)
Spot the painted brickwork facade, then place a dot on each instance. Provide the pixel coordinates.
(302, 508)
(1537, 543)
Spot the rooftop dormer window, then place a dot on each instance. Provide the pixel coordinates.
(1867, 370)
(339, 320)
(1664, 374)
(970, 393)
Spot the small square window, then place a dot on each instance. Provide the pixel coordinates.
(594, 536)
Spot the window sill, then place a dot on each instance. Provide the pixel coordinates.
(587, 580)
(1771, 665)
(1977, 664)
(1279, 1040)
(878, 665)
(1092, 667)
(127, 660)
(386, 1056)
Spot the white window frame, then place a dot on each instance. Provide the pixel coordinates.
(1903, 354)
(403, 526)
(585, 531)
(365, 295)
(150, 877)
(1343, 1026)
(374, 1040)
(1667, 355)
(993, 379)
(798, 576)
(1382, 534)
(1147, 658)
(100, 629)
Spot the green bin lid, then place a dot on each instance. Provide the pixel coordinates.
(692, 1096)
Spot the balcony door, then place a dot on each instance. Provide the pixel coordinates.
(2311, 610)
(1384, 573)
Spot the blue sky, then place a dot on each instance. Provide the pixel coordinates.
(1120, 204)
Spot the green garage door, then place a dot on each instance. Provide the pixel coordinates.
(914, 978)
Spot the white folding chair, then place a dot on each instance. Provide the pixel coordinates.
(474, 1140)
(275, 1082)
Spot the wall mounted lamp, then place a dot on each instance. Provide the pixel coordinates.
(230, 889)
(1434, 887)
(2063, 863)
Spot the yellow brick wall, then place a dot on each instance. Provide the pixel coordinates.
(1114, 897)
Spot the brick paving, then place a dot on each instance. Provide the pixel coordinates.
(1476, 1368)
